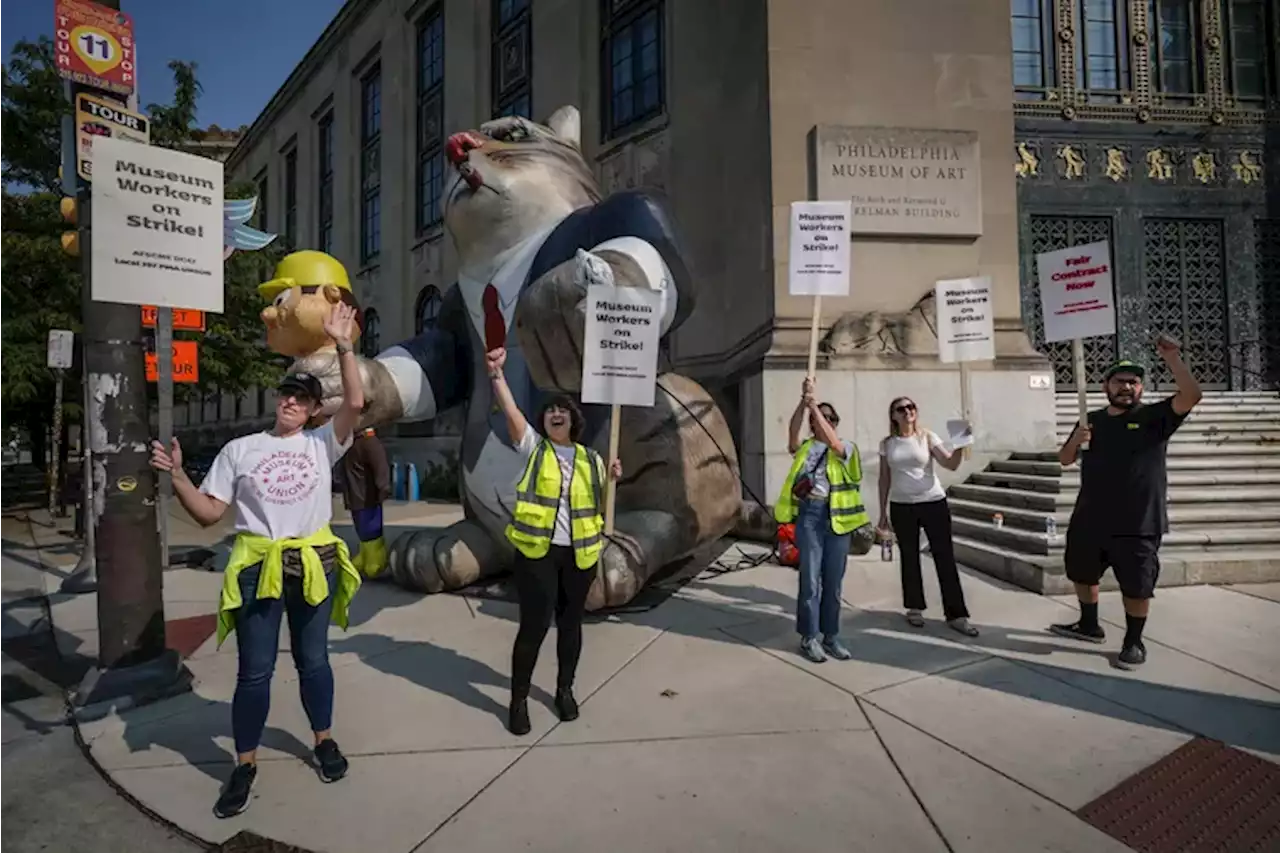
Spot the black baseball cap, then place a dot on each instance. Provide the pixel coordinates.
(1125, 366)
(301, 385)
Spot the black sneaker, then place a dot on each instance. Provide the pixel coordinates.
(1132, 657)
(1076, 631)
(330, 760)
(566, 705)
(518, 717)
(235, 795)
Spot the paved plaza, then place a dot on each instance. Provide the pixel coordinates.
(701, 727)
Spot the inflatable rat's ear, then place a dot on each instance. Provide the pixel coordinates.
(566, 123)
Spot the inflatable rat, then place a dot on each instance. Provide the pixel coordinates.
(531, 229)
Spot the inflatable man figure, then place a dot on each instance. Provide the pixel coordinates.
(366, 484)
(304, 290)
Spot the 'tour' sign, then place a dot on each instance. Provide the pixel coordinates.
(186, 363)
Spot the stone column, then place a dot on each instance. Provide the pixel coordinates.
(906, 108)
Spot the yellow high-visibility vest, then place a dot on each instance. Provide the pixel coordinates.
(847, 510)
(538, 497)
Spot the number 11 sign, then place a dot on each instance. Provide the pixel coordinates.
(93, 46)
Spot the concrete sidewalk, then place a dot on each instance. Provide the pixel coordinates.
(701, 727)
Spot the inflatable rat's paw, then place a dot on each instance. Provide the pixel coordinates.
(591, 270)
(434, 560)
(381, 399)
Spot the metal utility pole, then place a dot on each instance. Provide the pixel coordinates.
(132, 659)
(164, 369)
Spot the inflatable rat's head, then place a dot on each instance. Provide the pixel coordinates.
(303, 291)
(511, 178)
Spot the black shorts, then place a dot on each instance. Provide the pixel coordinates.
(1135, 561)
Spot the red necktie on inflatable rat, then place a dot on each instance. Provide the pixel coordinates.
(495, 328)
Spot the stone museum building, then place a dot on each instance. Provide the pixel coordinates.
(969, 136)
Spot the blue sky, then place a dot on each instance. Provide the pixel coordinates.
(243, 49)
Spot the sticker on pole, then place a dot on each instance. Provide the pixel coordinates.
(966, 328)
(97, 118)
(820, 248)
(93, 46)
(1076, 292)
(62, 343)
(620, 362)
(157, 223)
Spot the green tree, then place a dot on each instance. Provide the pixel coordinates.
(41, 283)
(173, 124)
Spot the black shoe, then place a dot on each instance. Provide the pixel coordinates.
(566, 705)
(1076, 631)
(518, 717)
(330, 760)
(235, 796)
(1132, 657)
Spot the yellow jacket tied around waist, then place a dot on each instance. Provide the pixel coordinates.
(251, 549)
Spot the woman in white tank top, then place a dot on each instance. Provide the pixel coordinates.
(911, 498)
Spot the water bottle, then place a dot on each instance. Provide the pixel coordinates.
(1051, 527)
(886, 549)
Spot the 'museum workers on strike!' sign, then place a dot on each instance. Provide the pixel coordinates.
(620, 361)
(1076, 292)
(966, 329)
(157, 227)
(820, 248)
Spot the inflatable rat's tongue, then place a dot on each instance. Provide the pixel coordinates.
(495, 328)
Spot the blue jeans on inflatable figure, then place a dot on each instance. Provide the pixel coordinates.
(823, 556)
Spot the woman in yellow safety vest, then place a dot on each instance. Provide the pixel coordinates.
(286, 560)
(558, 532)
(821, 496)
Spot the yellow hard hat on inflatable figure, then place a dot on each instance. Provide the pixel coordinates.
(303, 291)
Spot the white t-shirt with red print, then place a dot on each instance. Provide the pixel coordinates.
(279, 487)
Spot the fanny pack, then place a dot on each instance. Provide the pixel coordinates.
(803, 486)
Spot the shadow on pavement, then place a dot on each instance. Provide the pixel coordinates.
(436, 668)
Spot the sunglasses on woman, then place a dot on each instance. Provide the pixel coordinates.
(906, 407)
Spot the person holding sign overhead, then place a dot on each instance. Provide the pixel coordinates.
(912, 497)
(557, 528)
(821, 496)
(1120, 514)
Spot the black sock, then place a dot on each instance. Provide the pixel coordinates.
(1133, 629)
(1089, 615)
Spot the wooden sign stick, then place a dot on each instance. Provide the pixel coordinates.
(1077, 367)
(814, 326)
(611, 486)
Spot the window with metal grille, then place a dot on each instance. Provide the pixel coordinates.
(371, 165)
(430, 120)
(1175, 57)
(291, 197)
(632, 55)
(1102, 54)
(371, 334)
(1033, 49)
(1251, 33)
(324, 225)
(511, 47)
(262, 183)
(427, 309)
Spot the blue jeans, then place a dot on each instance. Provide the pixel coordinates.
(257, 641)
(822, 563)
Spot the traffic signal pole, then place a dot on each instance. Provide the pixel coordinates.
(134, 665)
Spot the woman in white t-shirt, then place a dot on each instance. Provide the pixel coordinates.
(557, 530)
(286, 560)
(911, 498)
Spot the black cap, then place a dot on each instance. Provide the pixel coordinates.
(302, 385)
(1124, 366)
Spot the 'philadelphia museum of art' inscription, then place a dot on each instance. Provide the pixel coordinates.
(902, 182)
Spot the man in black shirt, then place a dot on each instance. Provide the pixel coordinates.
(1120, 514)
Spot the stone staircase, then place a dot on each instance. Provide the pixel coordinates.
(1224, 501)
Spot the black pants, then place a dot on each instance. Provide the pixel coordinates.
(935, 518)
(551, 585)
